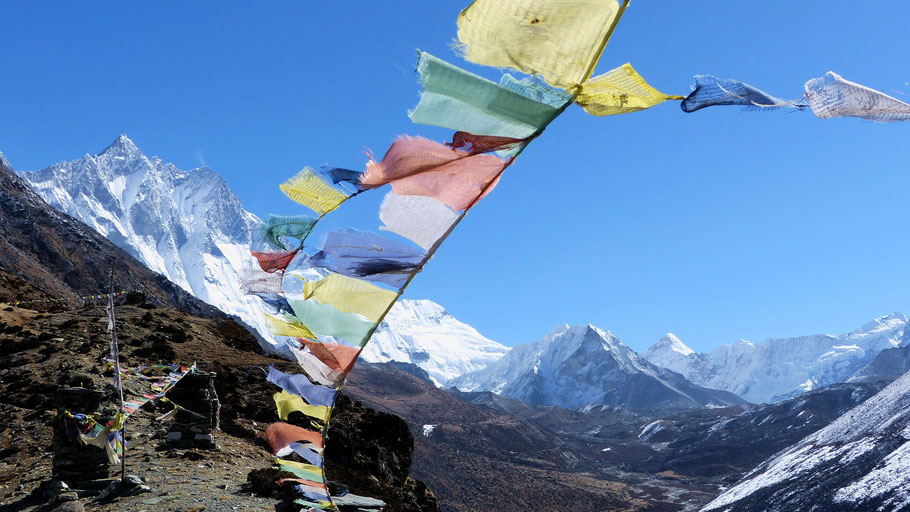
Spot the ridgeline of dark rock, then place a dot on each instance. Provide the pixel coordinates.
(59, 257)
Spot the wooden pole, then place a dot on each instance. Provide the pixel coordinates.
(115, 354)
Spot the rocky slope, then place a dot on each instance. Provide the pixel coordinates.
(777, 369)
(861, 461)
(583, 366)
(368, 451)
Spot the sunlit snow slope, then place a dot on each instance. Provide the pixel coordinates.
(423, 333)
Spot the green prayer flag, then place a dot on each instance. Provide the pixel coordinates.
(456, 99)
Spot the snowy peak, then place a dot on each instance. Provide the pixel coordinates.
(425, 334)
(670, 343)
(121, 146)
(583, 366)
(777, 369)
(186, 225)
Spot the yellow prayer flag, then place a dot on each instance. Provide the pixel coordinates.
(560, 40)
(619, 91)
(350, 295)
(279, 327)
(309, 190)
(288, 403)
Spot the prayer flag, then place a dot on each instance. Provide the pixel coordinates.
(288, 403)
(456, 99)
(311, 191)
(327, 320)
(355, 253)
(832, 96)
(417, 166)
(335, 356)
(710, 91)
(287, 326)
(281, 434)
(278, 227)
(619, 91)
(300, 385)
(420, 219)
(560, 40)
(350, 295)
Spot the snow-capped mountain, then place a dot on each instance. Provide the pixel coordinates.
(186, 225)
(423, 333)
(861, 461)
(190, 227)
(781, 368)
(583, 366)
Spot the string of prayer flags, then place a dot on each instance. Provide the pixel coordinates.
(417, 166)
(288, 403)
(278, 227)
(256, 281)
(355, 253)
(66, 299)
(327, 320)
(619, 91)
(107, 438)
(559, 40)
(299, 385)
(350, 295)
(459, 100)
(422, 220)
(710, 91)
(832, 96)
(274, 261)
(309, 189)
(281, 434)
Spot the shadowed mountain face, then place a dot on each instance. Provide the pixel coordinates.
(859, 462)
(56, 256)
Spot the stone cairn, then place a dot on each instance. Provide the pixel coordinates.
(74, 462)
(197, 418)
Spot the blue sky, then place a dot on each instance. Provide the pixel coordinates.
(714, 225)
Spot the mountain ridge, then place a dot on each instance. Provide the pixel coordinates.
(778, 369)
(584, 366)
